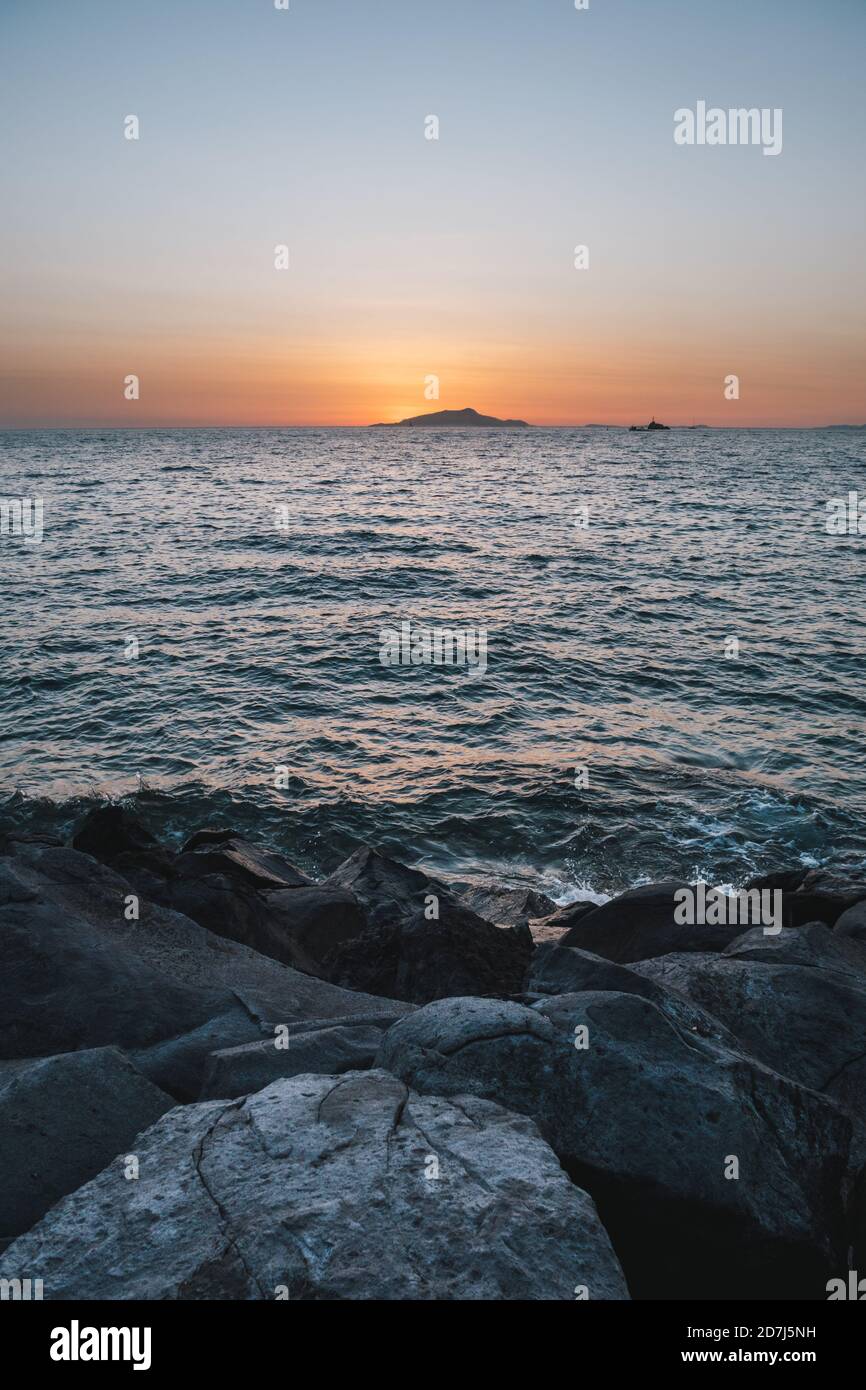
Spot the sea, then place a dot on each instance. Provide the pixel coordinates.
(673, 683)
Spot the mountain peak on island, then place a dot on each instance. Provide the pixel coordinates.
(458, 418)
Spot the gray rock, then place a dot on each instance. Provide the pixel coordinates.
(297, 926)
(320, 1188)
(639, 925)
(62, 1119)
(236, 1071)
(74, 973)
(796, 1001)
(312, 921)
(565, 970)
(852, 923)
(647, 1118)
(231, 887)
(812, 945)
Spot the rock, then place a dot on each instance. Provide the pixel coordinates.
(648, 1121)
(75, 973)
(180, 1064)
(849, 886)
(108, 831)
(813, 895)
(236, 858)
(229, 886)
(857, 1224)
(797, 1002)
(297, 926)
(322, 1188)
(62, 1119)
(388, 892)
(506, 907)
(555, 927)
(565, 970)
(852, 923)
(311, 922)
(419, 960)
(236, 1071)
(558, 969)
(640, 924)
(813, 944)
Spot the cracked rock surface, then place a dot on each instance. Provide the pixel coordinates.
(647, 1117)
(323, 1187)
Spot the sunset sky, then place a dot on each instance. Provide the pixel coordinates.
(412, 257)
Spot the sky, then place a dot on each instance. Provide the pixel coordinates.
(412, 258)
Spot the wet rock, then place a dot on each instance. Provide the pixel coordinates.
(388, 891)
(649, 1120)
(555, 927)
(108, 831)
(419, 960)
(506, 907)
(62, 1120)
(640, 924)
(235, 858)
(327, 1188)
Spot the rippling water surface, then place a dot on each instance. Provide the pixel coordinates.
(259, 647)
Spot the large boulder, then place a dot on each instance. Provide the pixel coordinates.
(796, 1001)
(328, 1187)
(76, 972)
(62, 1119)
(711, 1173)
(559, 969)
(813, 895)
(640, 924)
(297, 926)
(417, 959)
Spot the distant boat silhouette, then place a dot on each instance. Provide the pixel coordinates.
(653, 425)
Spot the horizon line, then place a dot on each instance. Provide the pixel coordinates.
(396, 424)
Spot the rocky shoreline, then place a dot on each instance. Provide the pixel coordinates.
(222, 1079)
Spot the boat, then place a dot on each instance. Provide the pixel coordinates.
(642, 429)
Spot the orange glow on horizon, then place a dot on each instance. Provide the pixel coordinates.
(272, 384)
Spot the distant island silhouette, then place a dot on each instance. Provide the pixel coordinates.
(455, 417)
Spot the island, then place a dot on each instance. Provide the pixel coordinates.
(458, 418)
